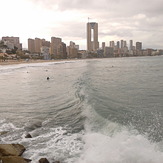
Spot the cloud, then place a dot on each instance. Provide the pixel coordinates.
(117, 19)
(114, 6)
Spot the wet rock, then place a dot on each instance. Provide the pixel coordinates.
(11, 149)
(65, 133)
(14, 159)
(3, 132)
(43, 160)
(20, 148)
(28, 136)
(27, 160)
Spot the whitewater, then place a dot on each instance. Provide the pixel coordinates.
(89, 111)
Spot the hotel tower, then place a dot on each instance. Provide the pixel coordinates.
(92, 36)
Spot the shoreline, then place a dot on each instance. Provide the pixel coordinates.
(12, 62)
(23, 61)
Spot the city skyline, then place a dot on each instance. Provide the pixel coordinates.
(67, 20)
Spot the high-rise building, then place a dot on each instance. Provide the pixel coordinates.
(64, 51)
(112, 44)
(118, 44)
(12, 40)
(61, 51)
(77, 47)
(45, 43)
(38, 45)
(31, 45)
(34, 45)
(72, 44)
(45, 52)
(72, 50)
(122, 44)
(108, 51)
(138, 45)
(55, 42)
(92, 36)
(131, 45)
(103, 45)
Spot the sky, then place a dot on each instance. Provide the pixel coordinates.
(137, 20)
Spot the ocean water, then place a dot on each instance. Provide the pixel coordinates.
(90, 111)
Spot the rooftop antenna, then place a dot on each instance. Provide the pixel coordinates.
(88, 19)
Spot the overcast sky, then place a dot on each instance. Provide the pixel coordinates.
(139, 20)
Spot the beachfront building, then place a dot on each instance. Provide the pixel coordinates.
(12, 42)
(45, 43)
(139, 49)
(112, 44)
(138, 45)
(34, 45)
(38, 45)
(118, 44)
(103, 45)
(61, 51)
(108, 52)
(55, 42)
(72, 50)
(131, 45)
(31, 45)
(45, 52)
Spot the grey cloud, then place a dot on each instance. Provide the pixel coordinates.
(71, 29)
(129, 18)
(118, 7)
(122, 33)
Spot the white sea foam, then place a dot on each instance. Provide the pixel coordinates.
(4, 126)
(108, 142)
(122, 147)
(56, 144)
(52, 143)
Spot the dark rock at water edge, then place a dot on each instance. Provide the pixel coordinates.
(28, 136)
(43, 160)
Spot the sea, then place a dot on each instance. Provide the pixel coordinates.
(89, 111)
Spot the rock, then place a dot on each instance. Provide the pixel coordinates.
(43, 160)
(27, 160)
(11, 149)
(3, 132)
(20, 148)
(14, 159)
(28, 136)
(57, 162)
